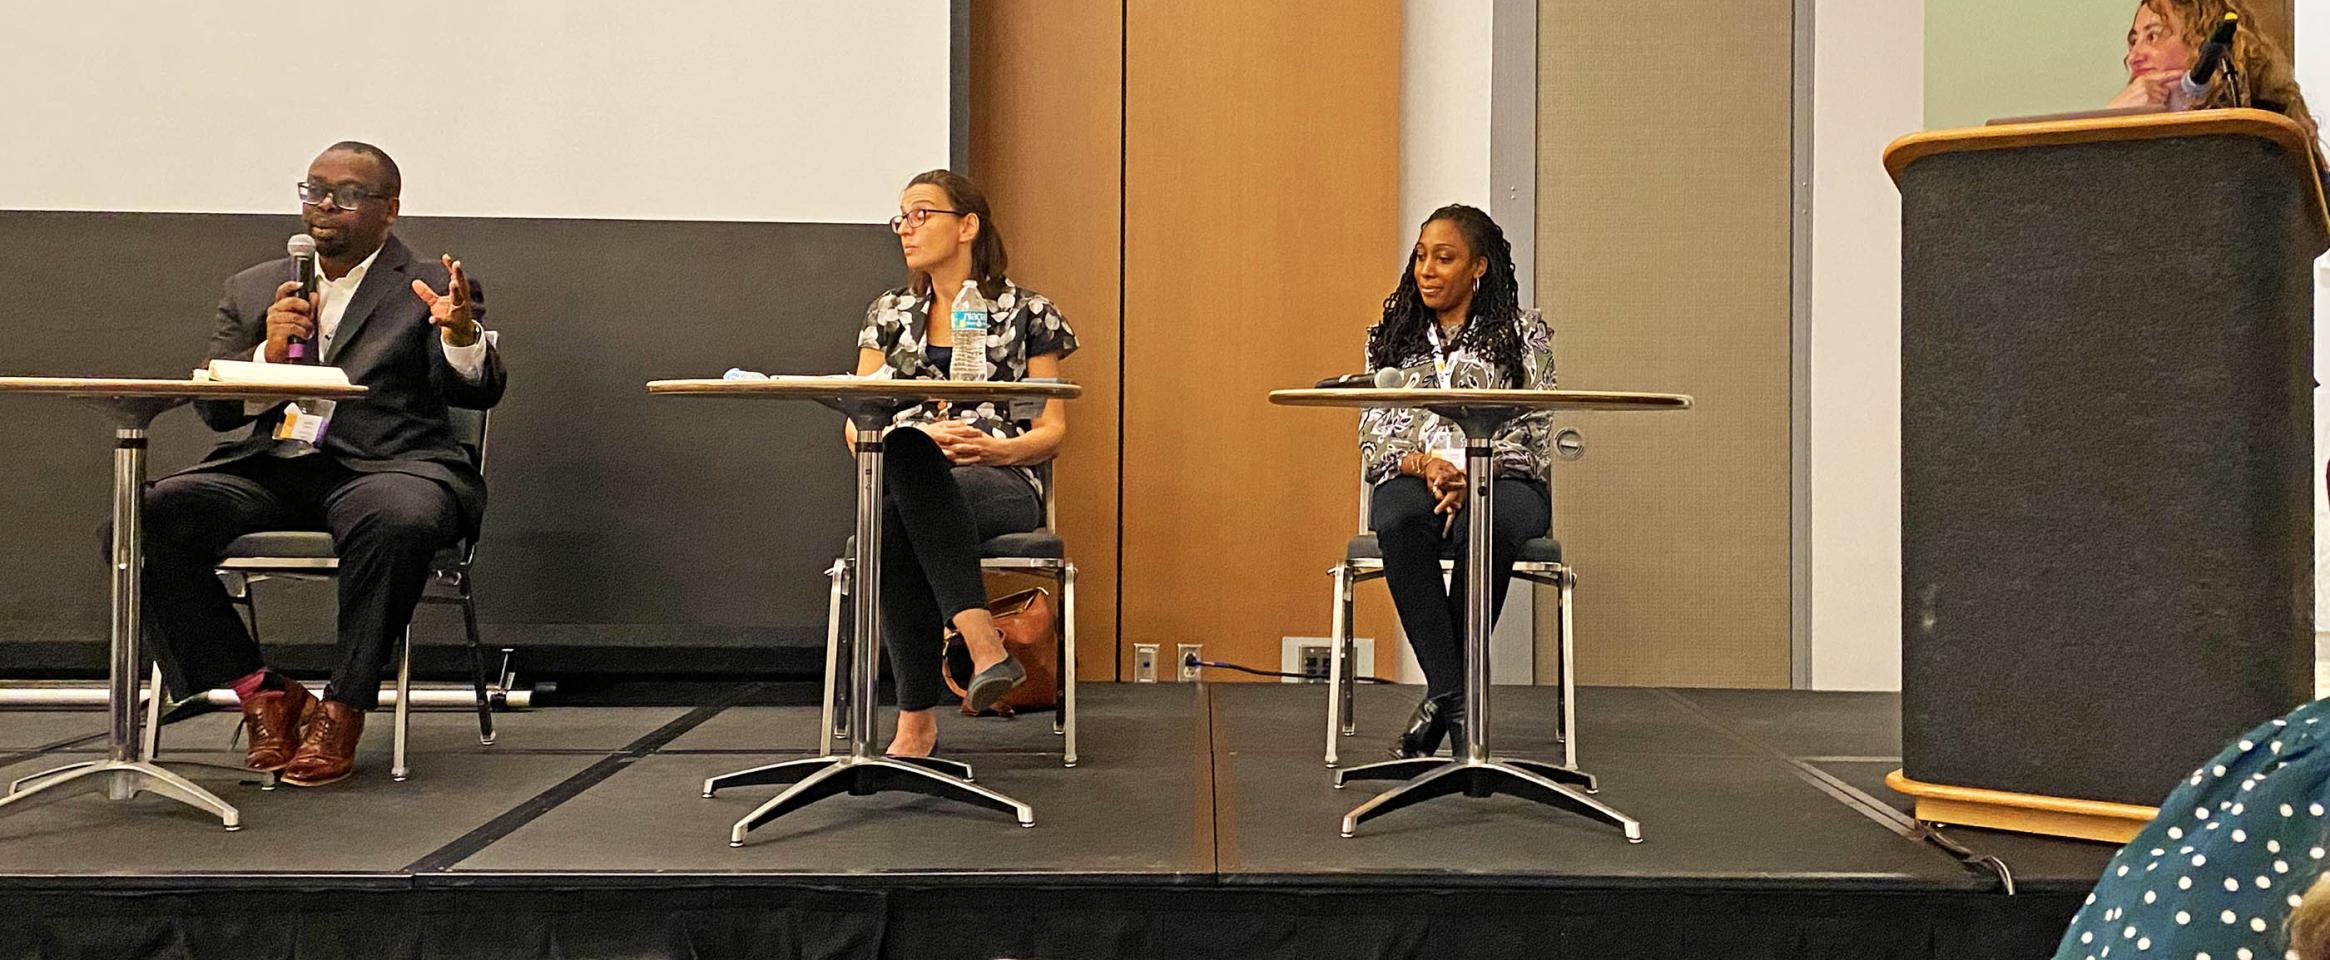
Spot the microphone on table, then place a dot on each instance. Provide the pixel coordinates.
(2212, 56)
(303, 254)
(1388, 378)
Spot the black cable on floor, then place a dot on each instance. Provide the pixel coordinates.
(1193, 661)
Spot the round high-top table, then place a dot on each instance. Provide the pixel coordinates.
(132, 405)
(1473, 770)
(870, 406)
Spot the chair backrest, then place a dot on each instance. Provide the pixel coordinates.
(1051, 508)
(1025, 412)
(469, 430)
(469, 426)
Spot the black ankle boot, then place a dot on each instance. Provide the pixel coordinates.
(1425, 728)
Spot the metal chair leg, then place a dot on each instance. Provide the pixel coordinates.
(248, 599)
(1565, 723)
(1067, 714)
(1338, 725)
(397, 770)
(1060, 658)
(150, 743)
(243, 596)
(1350, 654)
(150, 739)
(831, 724)
(477, 674)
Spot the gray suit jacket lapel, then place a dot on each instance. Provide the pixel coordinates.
(386, 276)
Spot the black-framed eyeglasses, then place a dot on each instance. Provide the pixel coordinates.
(914, 219)
(346, 196)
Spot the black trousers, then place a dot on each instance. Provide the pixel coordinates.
(934, 516)
(1432, 612)
(385, 526)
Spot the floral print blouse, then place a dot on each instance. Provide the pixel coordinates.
(1023, 324)
(1387, 434)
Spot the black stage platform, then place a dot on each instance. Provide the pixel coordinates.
(1200, 823)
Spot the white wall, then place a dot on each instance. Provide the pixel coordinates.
(1868, 88)
(787, 110)
(2313, 63)
(1446, 55)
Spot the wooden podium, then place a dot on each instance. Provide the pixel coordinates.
(2107, 458)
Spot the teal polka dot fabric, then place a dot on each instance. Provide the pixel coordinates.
(2234, 848)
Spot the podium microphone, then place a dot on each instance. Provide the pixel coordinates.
(2212, 55)
(303, 253)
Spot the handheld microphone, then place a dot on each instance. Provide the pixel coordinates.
(303, 253)
(2212, 56)
(1388, 378)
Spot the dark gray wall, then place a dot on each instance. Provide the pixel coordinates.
(615, 519)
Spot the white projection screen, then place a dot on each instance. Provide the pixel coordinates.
(743, 110)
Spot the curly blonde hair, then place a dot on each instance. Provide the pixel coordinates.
(2309, 925)
(2264, 65)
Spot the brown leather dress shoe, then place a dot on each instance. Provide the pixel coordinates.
(273, 719)
(327, 752)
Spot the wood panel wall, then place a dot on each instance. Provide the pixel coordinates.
(1261, 214)
(1046, 106)
(1663, 262)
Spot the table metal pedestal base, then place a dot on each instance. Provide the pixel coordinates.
(1436, 777)
(816, 778)
(871, 408)
(121, 780)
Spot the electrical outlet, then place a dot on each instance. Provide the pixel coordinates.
(1144, 663)
(1183, 654)
(1315, 660)
(1311, 656)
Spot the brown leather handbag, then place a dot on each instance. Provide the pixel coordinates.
(1030, 633)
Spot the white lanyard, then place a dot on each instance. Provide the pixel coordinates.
(1441, 439)
(1443, 365)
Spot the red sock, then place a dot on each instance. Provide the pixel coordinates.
(248, 684)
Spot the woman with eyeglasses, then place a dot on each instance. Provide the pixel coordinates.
(1455, 321)
(955, 475)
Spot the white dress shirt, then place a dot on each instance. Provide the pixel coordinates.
(334, 296)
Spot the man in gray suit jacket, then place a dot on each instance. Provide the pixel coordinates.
(385, 476)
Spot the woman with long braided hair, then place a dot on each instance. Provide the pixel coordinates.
(1454, 321)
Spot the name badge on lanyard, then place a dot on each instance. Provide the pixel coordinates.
(306, 421)
(1443, 439)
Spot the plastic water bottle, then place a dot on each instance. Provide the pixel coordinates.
(968, 321)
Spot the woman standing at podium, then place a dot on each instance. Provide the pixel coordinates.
(954, 476)
(1454, 321)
